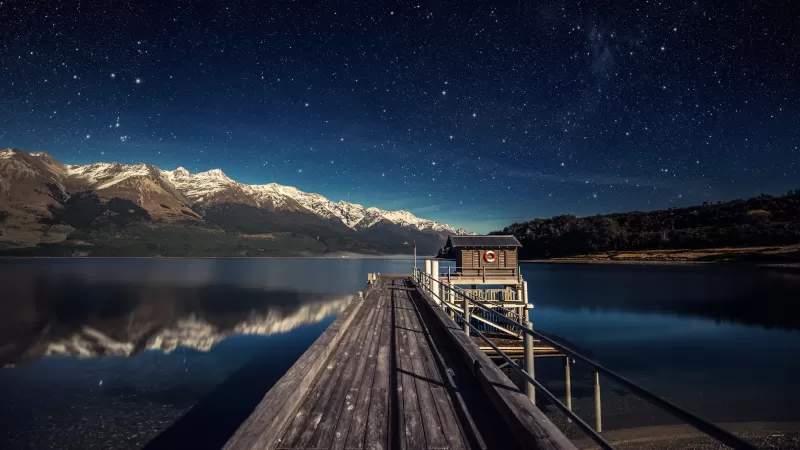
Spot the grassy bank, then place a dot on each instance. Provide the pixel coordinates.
(785, 254)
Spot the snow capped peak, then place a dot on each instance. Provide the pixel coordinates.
(214, 173)
(6, 152)
(352, 215)
(181, 171)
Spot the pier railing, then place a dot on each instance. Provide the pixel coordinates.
(445, 296)
(487, 274)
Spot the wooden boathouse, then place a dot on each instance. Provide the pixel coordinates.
(409, 365)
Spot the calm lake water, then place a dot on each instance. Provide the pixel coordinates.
(113, 353)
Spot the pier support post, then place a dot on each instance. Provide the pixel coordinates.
(598, 415)
(530, 389)
(467, 315)
(525, 292)
(452, 300)
(568, 383)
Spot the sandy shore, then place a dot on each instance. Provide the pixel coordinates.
(765, 435)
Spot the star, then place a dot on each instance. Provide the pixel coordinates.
(138, 81)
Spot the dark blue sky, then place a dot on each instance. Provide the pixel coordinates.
(472, 113)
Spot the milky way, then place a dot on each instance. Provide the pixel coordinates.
(472, 113)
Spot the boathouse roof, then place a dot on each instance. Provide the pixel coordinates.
(490, 241)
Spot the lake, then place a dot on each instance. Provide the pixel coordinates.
(114, 353)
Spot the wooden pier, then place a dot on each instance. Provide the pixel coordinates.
(395, 371)
(417, 362)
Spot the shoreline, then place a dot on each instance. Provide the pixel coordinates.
(786, 256)
(349, 256)
(771, 434)
(792, 268)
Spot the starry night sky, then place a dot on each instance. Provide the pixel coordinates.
(472, 113)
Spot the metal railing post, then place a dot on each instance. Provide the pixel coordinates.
(598, 415)
(467, 315)
(452, 300)
(530, 389)
(568, 385)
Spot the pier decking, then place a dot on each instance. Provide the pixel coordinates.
(395, 371)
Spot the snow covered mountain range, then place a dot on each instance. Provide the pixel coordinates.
(214, 186)
(36, 184)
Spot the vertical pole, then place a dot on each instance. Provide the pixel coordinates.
(530, 389)
(452, 300)
(525, 292)
(598, 415)
(425, 283)
(435, 280)
(568, 380)
(415, 255)
(466, 315)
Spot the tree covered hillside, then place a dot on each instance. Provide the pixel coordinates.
(763, 220)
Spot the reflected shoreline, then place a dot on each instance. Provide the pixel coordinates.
(72, 317)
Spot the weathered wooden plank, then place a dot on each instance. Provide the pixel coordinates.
(277, 408)
(529, 424)
(454, 434)
(295, 428)
(526, 421)
(431, 422)
(412, 434)
(345, 393)
(311, 403)
(465, 421)
(330, 400)
(379, 417)
(351, 428)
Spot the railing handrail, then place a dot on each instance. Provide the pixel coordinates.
(593, 434)
(686, 416)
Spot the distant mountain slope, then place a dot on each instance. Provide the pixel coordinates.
(47, 207)
(760, 221)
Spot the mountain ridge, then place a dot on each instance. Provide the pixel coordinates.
(35, 188)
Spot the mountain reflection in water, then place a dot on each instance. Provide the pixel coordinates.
(73, 317)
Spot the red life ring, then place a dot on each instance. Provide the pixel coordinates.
(489, 256)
